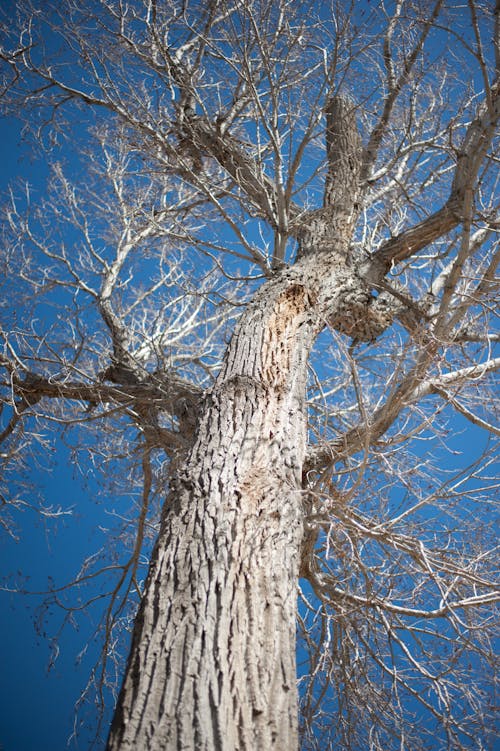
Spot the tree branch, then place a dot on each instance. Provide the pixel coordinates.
(394, 86)
(363, 435)
(471, 155)
(164, 393)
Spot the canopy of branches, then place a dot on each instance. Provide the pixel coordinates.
(181, 151)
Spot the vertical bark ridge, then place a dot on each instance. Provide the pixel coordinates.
(216, 628)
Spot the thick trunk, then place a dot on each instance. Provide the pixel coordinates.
(212, 664)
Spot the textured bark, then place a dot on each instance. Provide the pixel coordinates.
(213, 660)
(212, 663)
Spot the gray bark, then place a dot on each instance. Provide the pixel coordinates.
(213, 658)
(212, 663)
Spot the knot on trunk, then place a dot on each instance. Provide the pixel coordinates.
(359, 314)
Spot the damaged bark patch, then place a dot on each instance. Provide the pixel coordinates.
(280, 338)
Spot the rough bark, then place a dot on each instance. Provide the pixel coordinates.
(213, 659)
(212, 663)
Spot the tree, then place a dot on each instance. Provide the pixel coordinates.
(271, 253)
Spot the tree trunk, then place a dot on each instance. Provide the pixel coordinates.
(212, 662)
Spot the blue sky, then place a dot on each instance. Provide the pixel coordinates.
(38, 696)
(37, 704)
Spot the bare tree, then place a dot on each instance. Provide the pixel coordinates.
(269, 238)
